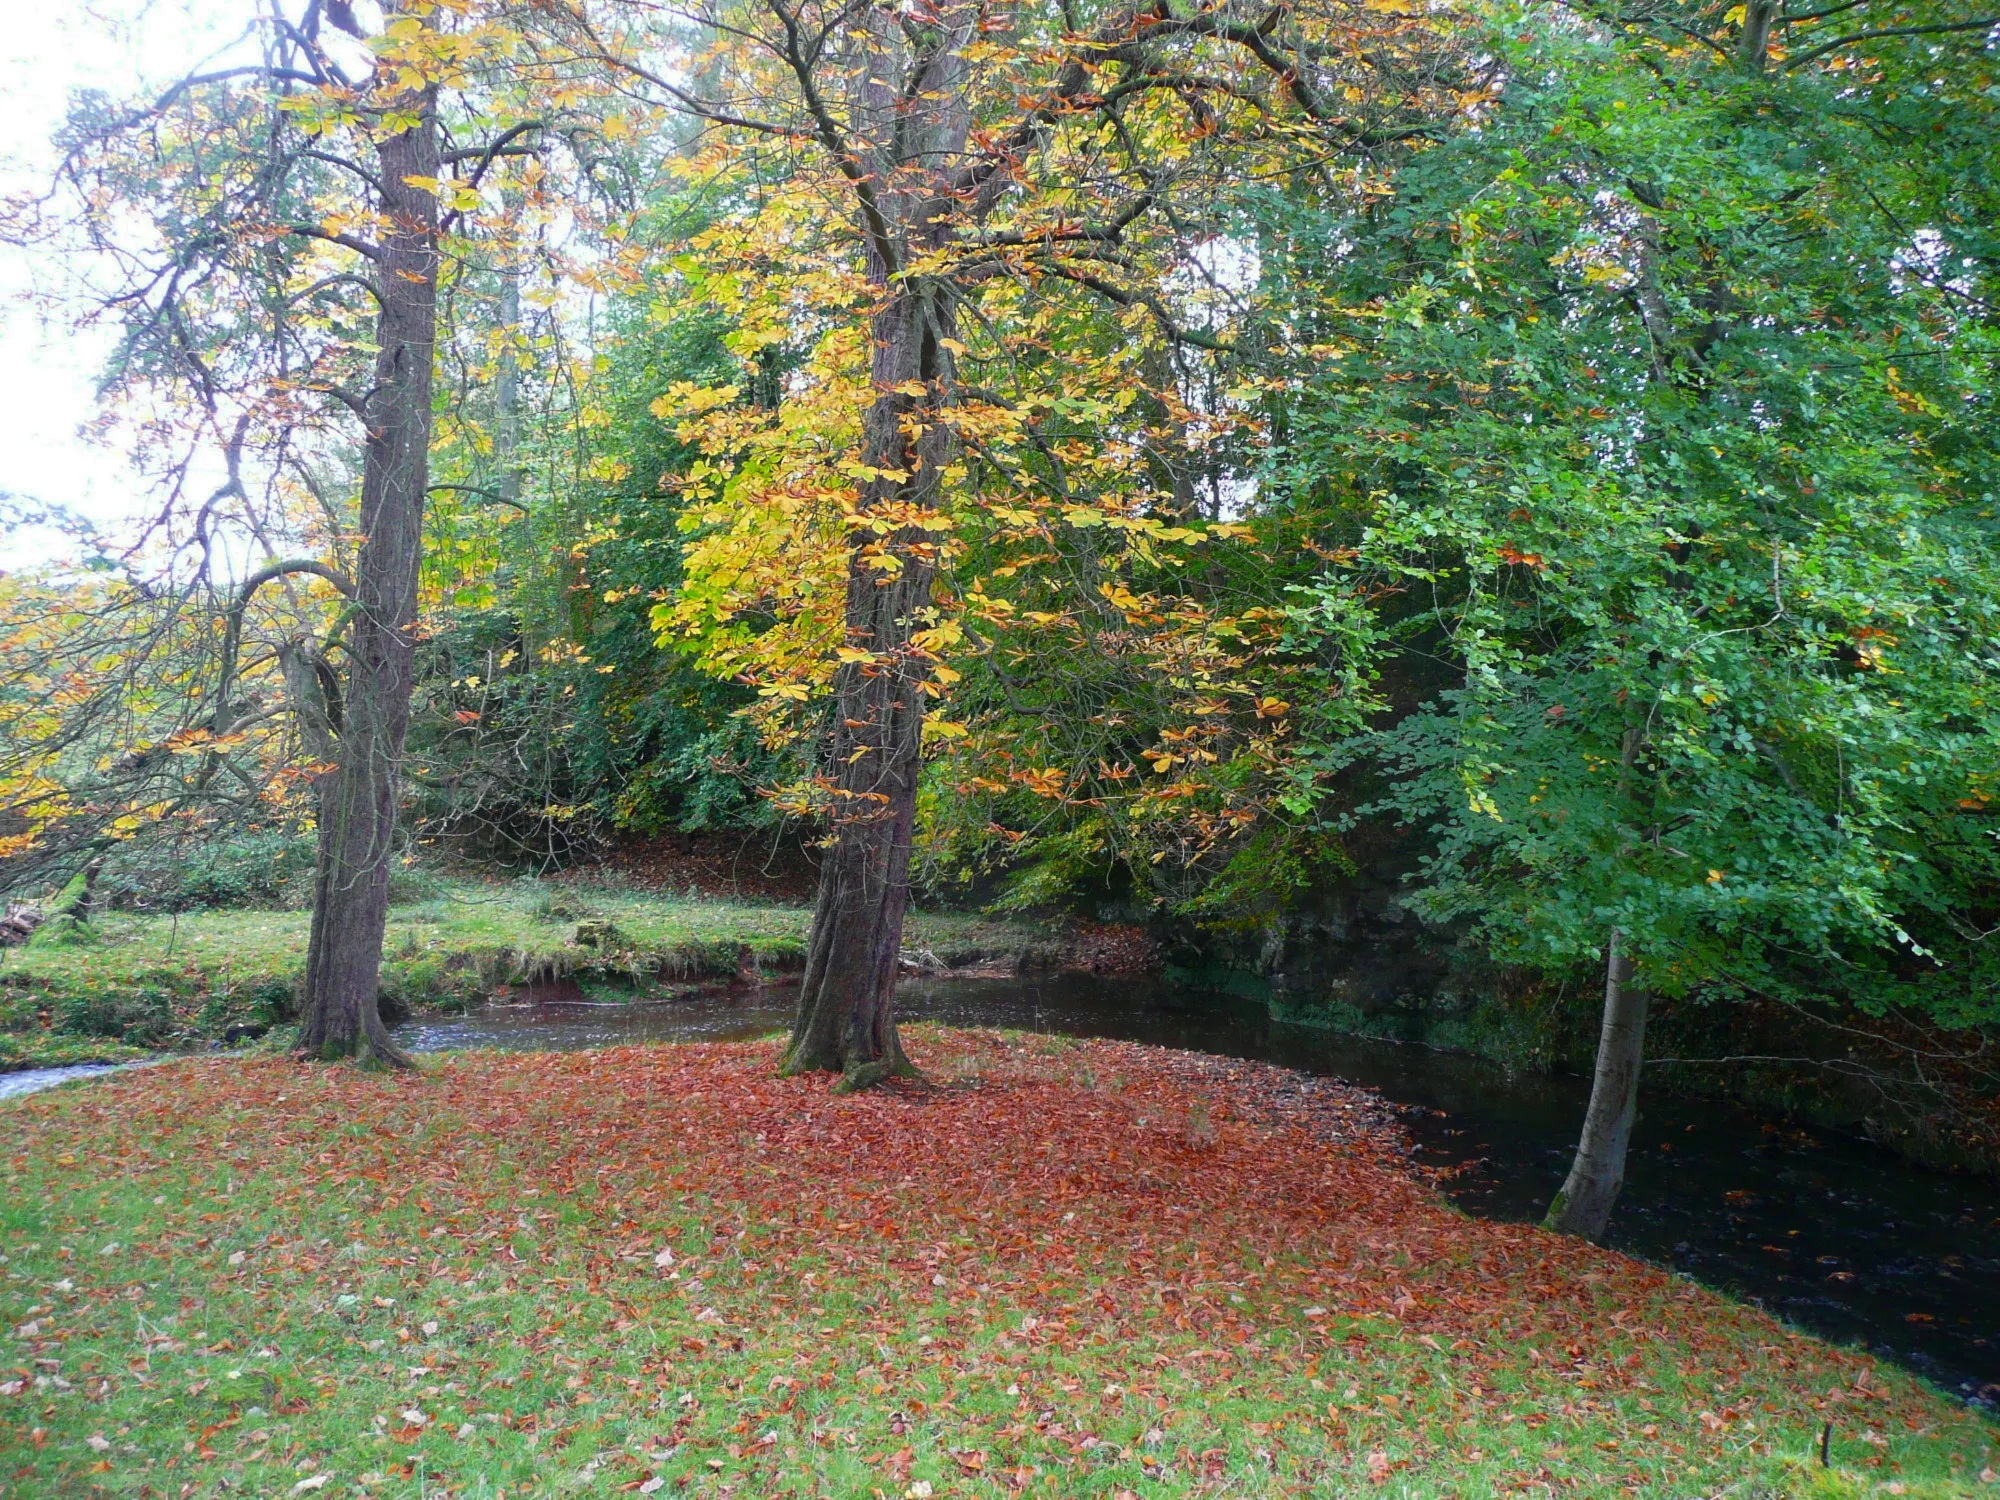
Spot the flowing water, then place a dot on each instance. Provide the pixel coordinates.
(1825, 1231)
(30, 1080)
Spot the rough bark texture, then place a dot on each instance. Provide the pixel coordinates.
(846, 1021)
(357, 799)
(1583, 1207)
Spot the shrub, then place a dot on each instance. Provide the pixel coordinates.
(142, 1016)
(264, 868)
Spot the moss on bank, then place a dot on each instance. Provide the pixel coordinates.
(183, 980)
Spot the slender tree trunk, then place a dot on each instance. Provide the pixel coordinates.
(507, 386)
(1753, 46)
(340, 1016)
(1583, 1207)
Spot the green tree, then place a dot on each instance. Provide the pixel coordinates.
(278, 234)
(953, 174)
(1661, 406)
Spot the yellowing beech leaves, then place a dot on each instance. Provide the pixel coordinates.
(992, 433)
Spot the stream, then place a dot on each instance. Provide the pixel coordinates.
(1828, 1232)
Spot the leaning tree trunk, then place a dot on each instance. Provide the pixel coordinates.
(358, 798)
(1583, 1207)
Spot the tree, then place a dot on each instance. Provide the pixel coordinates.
(948, 171)
(358, 797)
(286, 274)
(1670, 430)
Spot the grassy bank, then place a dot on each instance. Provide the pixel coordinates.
(165, 981)
(1064, 1269)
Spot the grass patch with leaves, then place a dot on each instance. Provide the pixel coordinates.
(165, 981)
(1055, 1269)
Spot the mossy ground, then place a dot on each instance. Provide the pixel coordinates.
(166, 981)
(1057, 1268)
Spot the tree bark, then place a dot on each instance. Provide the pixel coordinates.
(1753, 46)
(1583, 1207)
(874, 748)
(340, 1014)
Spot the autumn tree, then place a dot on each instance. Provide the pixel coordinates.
(272, 238)
(957, 181)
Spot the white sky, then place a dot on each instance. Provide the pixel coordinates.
(47, 49)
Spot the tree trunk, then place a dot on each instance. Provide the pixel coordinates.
(1583, 1207)
(507, 385)
(340, 1015)
(1753, 46)
(846, 1022)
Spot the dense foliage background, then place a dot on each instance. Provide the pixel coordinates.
(1575, 515)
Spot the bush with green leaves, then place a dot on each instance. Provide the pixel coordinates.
(255, 868)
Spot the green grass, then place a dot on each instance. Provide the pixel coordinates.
(167, 981)
(43, 1050)
(1066, 1269)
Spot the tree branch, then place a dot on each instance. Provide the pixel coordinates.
(1985, 23)
(346, 241)
(498, 147)
(835, 144)
(483, 493)
(232, 635)
(1108, 233)
(1147, 300)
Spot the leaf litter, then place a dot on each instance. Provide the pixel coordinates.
(1054, 1268)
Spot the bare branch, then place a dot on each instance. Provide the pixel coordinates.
(347, 241)
(1984, 23)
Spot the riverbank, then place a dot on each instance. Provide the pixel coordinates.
(1063, 1268)
(226, 975)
